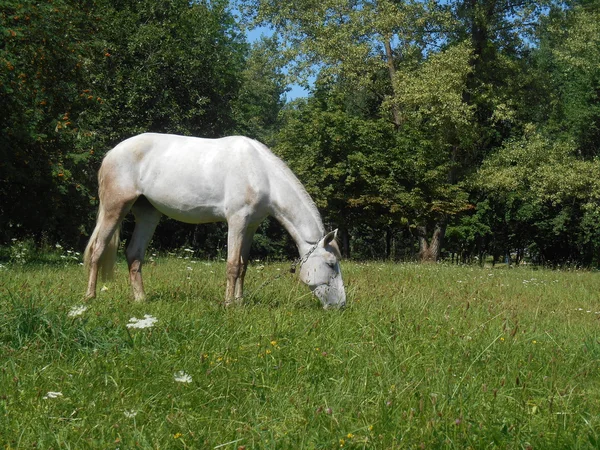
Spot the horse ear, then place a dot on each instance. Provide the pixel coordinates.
(329, 237)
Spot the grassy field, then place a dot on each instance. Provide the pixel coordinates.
(425, 356)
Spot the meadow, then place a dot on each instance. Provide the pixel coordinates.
(424, 356)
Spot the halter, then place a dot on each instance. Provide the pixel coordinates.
(302, 260)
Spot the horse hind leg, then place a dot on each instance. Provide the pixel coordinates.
(100, 253)
(146, 220)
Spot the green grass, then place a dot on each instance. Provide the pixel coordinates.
(425, 356)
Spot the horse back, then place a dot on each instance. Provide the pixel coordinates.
(192, 179)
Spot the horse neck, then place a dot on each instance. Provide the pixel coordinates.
(295, 210)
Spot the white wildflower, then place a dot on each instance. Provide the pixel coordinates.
(57, 245)
(130, 414)
(52, 395)
(104, 288)
(77, 311)
(182, 377)
(147, 322)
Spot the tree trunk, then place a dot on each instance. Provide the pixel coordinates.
(345, 242)
(430, 251)
(388, 243)
(389, 54)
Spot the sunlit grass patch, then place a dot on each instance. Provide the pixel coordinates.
(424, 355)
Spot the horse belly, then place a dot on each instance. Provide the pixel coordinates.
(187, 199)
(186, 206)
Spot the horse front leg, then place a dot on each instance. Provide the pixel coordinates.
(239, 239)
(233, 273)
(244, 259)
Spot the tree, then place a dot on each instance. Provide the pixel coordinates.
(78, 77)
(341, 158)
(552, 191)
(545, 178)
(261, 94)
(429, 100)
(353, 44)
(42, 93)
(171, 66)
(568, 63)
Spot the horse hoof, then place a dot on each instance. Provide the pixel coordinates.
(237, 302)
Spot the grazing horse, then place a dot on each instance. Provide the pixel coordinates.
(233, 179)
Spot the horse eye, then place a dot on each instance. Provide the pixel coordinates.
(331, 264)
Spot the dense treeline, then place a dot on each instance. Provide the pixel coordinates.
(460, 129)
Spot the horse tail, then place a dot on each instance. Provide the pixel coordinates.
(108, 259)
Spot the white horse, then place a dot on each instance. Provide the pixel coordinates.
(233, 179)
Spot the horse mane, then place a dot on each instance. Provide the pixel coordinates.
(292, 178)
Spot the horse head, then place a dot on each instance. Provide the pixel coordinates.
(320, 270)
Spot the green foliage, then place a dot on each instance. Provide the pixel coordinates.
(341, 159)
(261, 92)
(553, 191)
(41, 81)
(430, 99)
(77, 78)
(569, 51)
(168, 67)
(346, 40)
(545, 179)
